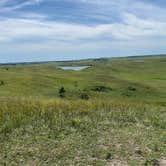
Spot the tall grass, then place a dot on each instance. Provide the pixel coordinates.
(79, 124)
(16, 112)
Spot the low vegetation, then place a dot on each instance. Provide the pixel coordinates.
(101, 89)
(111, 113)
(92, 132)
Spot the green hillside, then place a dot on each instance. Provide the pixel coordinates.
(111, 112)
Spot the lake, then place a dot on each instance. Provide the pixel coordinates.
(76, 68)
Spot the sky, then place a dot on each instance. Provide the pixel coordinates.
(46, 30)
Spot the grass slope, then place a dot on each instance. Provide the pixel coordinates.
(123, 122)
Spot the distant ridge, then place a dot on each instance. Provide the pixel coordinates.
(97, 59)
(138, 56)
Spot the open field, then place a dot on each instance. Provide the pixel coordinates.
(125, 78)
(112, 112)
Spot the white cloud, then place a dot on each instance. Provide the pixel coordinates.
(4, 8)
(137, 27)
(130, 28)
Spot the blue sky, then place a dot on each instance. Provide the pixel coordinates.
(39, 30)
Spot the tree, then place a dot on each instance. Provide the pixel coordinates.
(62, 92)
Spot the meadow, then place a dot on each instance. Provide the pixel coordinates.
(111, 113)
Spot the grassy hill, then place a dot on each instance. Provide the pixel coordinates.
(112, 112)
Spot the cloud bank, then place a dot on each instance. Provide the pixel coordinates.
(96, 28)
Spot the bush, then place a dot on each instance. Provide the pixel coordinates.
(131, 88)
(101, 88)
(62, 92)
(2, 83)
(84, 96)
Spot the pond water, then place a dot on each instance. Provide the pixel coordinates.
(76, 68)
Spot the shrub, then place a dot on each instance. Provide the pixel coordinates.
(62, 92)
(2, 83)
(131, 88)
(84, 96)
(101, 88)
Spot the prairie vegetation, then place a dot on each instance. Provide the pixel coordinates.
(113, 112)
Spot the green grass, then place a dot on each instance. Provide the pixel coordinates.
(44, 80)
(122, 122)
